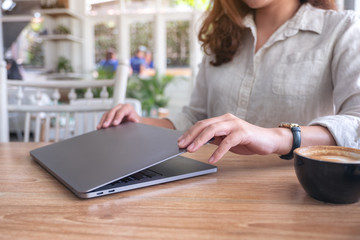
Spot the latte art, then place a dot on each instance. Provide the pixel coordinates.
(336, 158)
(328, 154)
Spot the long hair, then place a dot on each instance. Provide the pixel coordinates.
(220, 33)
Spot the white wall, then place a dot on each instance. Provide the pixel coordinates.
(340, 4)
(357, 5)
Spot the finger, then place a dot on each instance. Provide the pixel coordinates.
(133, 117)
(102, 120)
(189, 136)
(207, 133)
(226, 144)
(125, 111)
(202, 138)
(217, 140)
(108, 118)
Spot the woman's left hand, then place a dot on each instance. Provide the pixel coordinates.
(236, 135)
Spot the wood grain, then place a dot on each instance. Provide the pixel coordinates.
(250, 197)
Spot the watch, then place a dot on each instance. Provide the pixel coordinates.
(296, 131)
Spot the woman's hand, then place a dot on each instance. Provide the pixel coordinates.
(236, 135)
(126, 113)
(119, 114)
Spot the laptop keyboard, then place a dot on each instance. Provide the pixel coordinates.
(143, 175)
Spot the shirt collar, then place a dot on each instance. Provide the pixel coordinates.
(307, 18)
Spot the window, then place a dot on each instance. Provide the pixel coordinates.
(178, 44)
(105, 38)
(141, 34)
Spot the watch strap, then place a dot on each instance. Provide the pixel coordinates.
(296, 132)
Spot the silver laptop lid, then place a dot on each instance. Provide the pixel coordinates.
(92, 160)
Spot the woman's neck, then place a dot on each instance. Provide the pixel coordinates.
(270, 17)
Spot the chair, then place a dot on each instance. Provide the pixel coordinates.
(55, 120)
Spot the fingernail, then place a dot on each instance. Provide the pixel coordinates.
(180, 138)
(181, 143)
(211, 160)
(191, 147)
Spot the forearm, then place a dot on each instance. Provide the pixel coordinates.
(310, 135)
(165, 123)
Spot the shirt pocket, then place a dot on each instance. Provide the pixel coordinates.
(299, 74)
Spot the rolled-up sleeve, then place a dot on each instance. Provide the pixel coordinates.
(345, 125)
(197, 108)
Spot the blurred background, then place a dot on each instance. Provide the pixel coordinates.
(71, 39)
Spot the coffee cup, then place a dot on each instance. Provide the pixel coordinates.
(329, 173)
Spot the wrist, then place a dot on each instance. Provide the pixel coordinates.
(296, 140)
(166, 123)
(284, 141)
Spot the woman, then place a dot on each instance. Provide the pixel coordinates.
(270, 61)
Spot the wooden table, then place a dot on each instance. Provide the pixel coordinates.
(251, 197)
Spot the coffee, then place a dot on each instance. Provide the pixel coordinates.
(333, 155)
(336, 158)
(329, 173)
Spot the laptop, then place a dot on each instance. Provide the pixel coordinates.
(117, 159)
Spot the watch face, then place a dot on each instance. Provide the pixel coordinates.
(292, 125)
(289, 125)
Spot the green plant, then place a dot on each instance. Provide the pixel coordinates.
(64, 65)
(61, 29)
(104, 74)
(35, 54)
(150, 91)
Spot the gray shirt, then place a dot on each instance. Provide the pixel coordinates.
(308, 72)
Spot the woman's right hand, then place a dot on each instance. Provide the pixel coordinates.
(119, 114)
